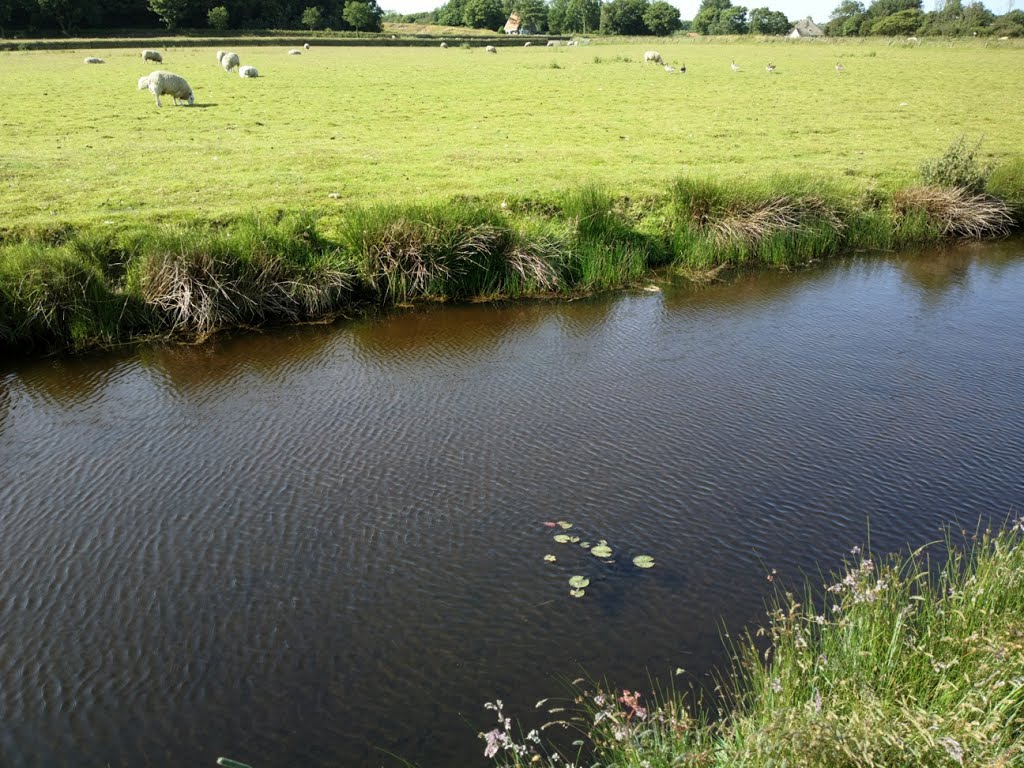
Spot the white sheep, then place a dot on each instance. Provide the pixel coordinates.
(162, 83)
(491, 49)
(152, 56)
(294, 52)
(229, 61)
(306, 46)
(444, 45)
(94, 60)
(527, 45)
(653, 57)
(248, 71)
(220, 55)
(555, 43)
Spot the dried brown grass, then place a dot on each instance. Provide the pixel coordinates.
(956, 212)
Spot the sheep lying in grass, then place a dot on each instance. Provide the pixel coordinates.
(152, 56)
(653, 57)
(491, 49)
(248, 71)
(162, 83)
(94, 60)
(229, 61)
(294, 52)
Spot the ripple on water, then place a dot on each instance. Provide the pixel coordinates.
(324, 542)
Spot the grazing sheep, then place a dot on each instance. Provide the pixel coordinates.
(152, 56)
(306, 46)
(444, 45)
(555, 43)
(573, 43)
(229, 61)
(248, 71)
(491, 49)
(669, 69)
(162, 83)
(94, 60)
(653, 57)
(294, 52)
(220, 55)
(527, 45)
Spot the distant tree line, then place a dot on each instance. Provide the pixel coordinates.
(906, 17)
(72, 16)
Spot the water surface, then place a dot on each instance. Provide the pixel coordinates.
(321, 545)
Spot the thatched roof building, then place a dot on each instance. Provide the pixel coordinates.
(806, 28)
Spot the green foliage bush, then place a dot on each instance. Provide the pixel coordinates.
(957, 167)
(218, 18)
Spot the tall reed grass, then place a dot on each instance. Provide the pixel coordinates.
(913, 660)
(62, 288)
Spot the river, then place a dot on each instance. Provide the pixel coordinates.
(324, 545)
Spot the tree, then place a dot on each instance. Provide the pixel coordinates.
(731, 21)
(707, 15)
(571, 16)
(661, 18)
(483, 14)
(623, 17)
(899, 24)
(450, 14)
(67, 13)
(361, 16)
(218, 18)
(312, 18)
(532, 13)
(846, 19)
(171, 12)
(764, 21)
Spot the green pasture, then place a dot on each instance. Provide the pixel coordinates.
(80, 144)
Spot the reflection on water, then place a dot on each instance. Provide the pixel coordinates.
(325, 544)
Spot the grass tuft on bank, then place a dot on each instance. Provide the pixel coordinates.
(906, 660)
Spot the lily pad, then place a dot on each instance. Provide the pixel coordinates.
(562, 538)
(643, 561)
(564, 525)
(579, 582)
(549, 558)
(601, 550)
(585, 544)
(577, 592)
(575, 539)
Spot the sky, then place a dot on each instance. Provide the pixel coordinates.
(819, 10)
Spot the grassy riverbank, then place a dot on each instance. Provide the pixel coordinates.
(906, 661)
(68, 287)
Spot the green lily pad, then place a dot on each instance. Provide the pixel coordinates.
(601, 550)
(585, 544)
(562, 538)
(643, 561)
(579, 582)
(602, 542)
(549, 558)
(577, 592)
(575, 539)
(564, 525)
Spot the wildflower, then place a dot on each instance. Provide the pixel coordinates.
(855, 550)
(599, 699)
(817, 700)
(495, 740)
(777, 685)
